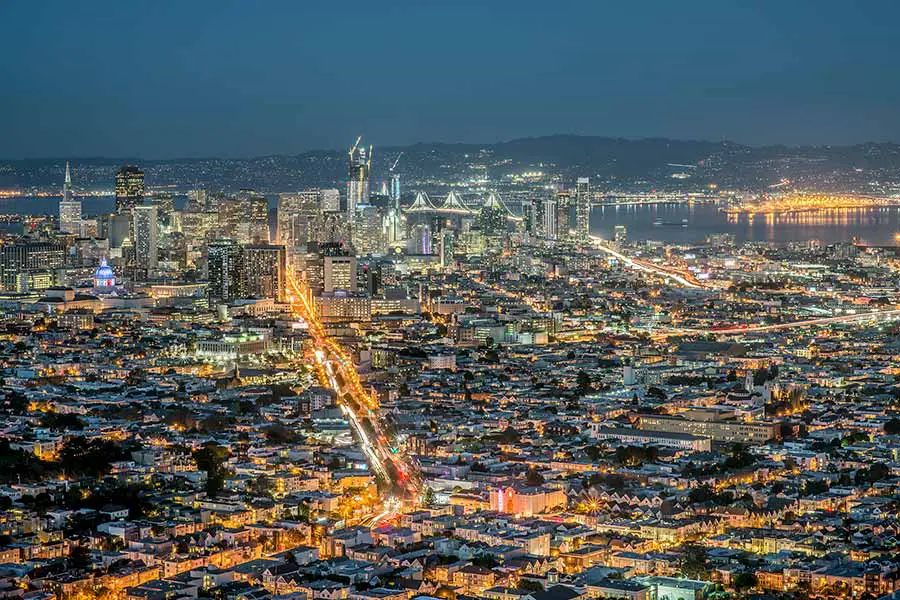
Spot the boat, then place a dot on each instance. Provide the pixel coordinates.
(661, 223)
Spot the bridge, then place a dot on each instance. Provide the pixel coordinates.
(453, 205)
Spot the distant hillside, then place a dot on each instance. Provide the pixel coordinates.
(611, 162)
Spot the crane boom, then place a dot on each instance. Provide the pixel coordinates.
(394, 166)
(355, 145)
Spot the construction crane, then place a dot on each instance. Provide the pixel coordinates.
(369, 162)
(394, 166)
(355, 145)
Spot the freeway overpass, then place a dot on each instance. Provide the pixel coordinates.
(884, 315)
(685, 278)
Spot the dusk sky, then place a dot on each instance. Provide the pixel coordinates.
(244, 78)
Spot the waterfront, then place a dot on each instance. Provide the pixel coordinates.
(872, 226)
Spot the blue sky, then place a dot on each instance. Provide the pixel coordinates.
(176, 78)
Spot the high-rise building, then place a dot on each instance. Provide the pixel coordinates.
(368, 231)
(528, 215)
(69, 207)
(165, 211)
(551, 218)
(129, 188)
(263, 270)
(620, 235)
(28, 257)
(296, 219)
(563, 216)
(340, 274)
(419, 241)
(360, 172)
(146, 231)
(330, 200)
(224, 267)
(369, 277)
(258, 216)
(118, 229)
(196, 201)
(447, 248)
(583, 209)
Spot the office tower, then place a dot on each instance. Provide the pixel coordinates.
(233, 220)
(69, 207)
(620, 235)
(369, 278)
(394, 191)
(118, 229)
(359, 171)
(224, 267)
(367, 231)
(129, 188)
(330, 200)
(165, 210)
(563, 216)
(296, 219)
(419, 241)
(528, 215)
(583, 209)
(258, 217)
(198, 227)
(551, 218)
(447, 249)
(492, 217)
(339, 274)
(263, 270)
(196, 201)
(146, 231)
(28, 257)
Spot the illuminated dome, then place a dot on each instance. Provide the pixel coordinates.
(104, 276)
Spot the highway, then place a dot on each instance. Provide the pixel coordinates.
(335, 369)
(683, 277)
(739, 329)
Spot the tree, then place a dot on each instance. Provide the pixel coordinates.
(212, 458)
(744, 581)
(428, 497)
(693, 561)
(261, 486)
(892, 426)
(79, 558)
(584, 386)
(93, 458)
(533, 477)
(61, 422)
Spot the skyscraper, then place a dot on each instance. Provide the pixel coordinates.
(296, 217)
(28, 257)
(448, 247)
(224, 266)
(359, 171)
(340, 274)
(69, 207)
(563, 216)
(263, 271)
(583, 210)
(258, 216)
(129, 188)
(145, 227)
(551, 218)
(330, 200)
